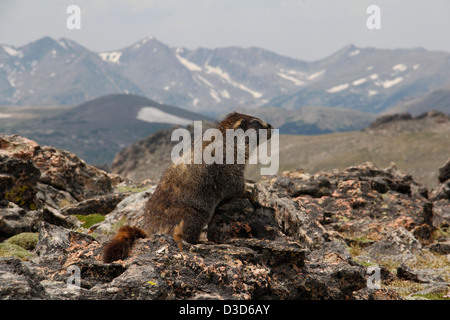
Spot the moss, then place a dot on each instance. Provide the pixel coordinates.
(25, 240)
(13, 250)
(433, 296)
(90, 219)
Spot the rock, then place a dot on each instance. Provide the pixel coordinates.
(434, 288)
(24, 164)
(56, 243)
(52, 198)
(17, 281)
(18, 179)
(444, 172)
(377, 294)
(240, 219)
(399, 245)
(15, 220)
(65, 171)
(405, 122)
(129, 211)
(291, 217)
(100, 204)
(442, 191)
(421, 276)
(441, 214)
(387, 119)
(335, 265)
(441, 247)
(404, 272)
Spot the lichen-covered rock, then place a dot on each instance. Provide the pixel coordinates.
(64, 170)
(24, 164)
(296, 236)
(17, 281)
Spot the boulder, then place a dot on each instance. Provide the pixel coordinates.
(444, 172)
(34, 177)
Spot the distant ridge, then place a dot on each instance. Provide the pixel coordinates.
(98, 129)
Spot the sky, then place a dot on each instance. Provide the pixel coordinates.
(302, 29)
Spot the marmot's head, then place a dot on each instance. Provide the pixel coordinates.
(242, 121)
(252, 130)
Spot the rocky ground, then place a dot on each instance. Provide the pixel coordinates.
(359, 233)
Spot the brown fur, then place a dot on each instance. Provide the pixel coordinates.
(187, 195)
(120, 245)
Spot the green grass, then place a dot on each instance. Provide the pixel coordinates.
(90, 219)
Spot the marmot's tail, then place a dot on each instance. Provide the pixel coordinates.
(120, 245)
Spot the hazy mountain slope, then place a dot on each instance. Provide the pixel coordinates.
(98, 129)
(314, 120)
(436, 100)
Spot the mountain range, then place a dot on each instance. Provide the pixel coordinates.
(215, 81)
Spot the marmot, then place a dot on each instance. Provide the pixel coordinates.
(188, 194)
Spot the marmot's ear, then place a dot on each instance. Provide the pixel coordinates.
(240, 124)
(257, 124)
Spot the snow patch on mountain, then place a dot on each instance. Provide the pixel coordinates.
(199, 77)
(225, 76)
(354, 53)
(12, 52)
(112, 57)
(316, 75)
(390, 83)
(142, 42)
(399, 67)
(294, 80)
(359, 81)
(213, 93)
(338, 88)
(225, 93)
(188, 64)
(150, 114)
